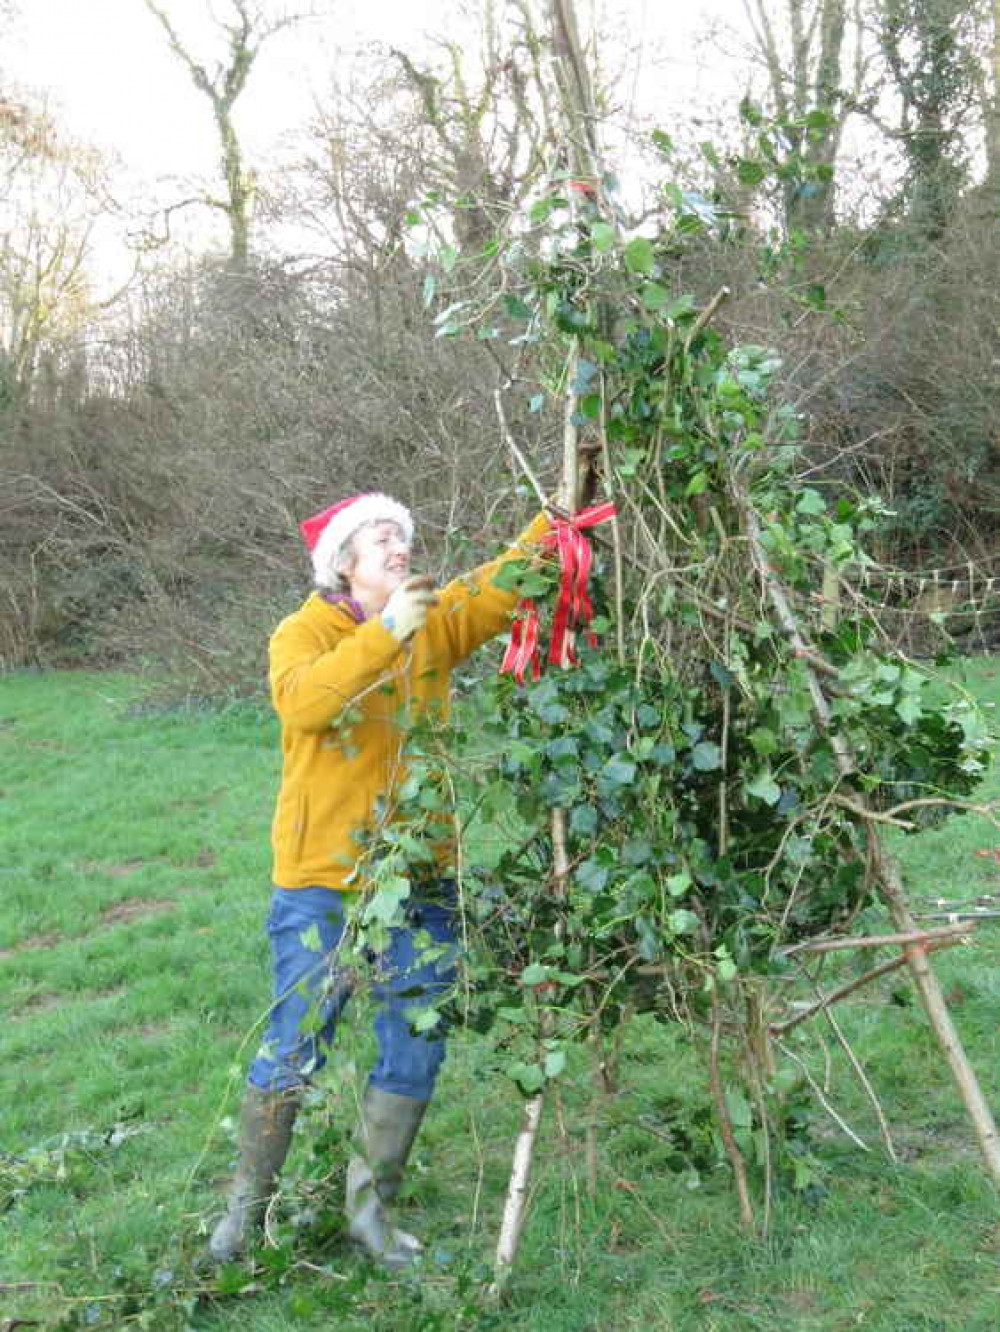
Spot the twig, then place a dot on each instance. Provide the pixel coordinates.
(616, 536)
(706, 315)
(725, 1123)
(971, 913)
(988, 811)
(512, 444)
(861, 1075)
(962, 928)
(835, 996)
(821, 1097)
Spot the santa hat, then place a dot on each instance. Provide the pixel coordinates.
(327, 533)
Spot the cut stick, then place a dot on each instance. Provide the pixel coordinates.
(516, 1205)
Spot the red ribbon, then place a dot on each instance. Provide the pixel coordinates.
(573, 606)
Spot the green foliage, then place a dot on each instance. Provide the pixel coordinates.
(710, 822)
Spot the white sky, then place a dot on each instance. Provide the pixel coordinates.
(106, 66)
(111, 80)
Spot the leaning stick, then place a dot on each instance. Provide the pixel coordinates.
(835, 996)
(515, 1205)
(887, 876)
(915, 936)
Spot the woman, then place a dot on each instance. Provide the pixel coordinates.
(373, 648)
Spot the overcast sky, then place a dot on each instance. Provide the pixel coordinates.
(111, 80)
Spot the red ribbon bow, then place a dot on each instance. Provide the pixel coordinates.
(573, 605)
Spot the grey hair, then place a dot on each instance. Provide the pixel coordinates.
(342, 566)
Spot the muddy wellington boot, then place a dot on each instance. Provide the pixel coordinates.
(386, 1131)
(265, 1135)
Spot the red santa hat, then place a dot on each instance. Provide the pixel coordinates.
(327, 533)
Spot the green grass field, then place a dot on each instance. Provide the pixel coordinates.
(133, 969)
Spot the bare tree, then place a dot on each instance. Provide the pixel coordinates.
(52, 194)
(814, 76)
(486, 118)
(246, 31)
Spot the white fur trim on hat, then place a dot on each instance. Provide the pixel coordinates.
(342, 526)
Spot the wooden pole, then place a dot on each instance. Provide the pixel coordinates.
(581, 158)
(516, 1206)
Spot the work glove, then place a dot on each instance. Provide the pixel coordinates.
(406, 610)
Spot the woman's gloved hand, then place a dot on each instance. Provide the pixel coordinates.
(406, 610)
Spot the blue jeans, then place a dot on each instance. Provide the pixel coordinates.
(305, 926)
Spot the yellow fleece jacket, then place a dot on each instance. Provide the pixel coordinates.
(341, 690)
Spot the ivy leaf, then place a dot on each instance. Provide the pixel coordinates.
(616, 773)
(310, 939)
(811, 502)
(764, 787)
(384, 903)
(706, 756)
(909, 709)
(640, 256)
(232, 1279)
(591, 876)
(535, 973)
(514, 1015)
(655, 296)
(684, 305)
(602, 237)
(763, 740)
(750, 171)
(529, 1077)
(508, 577)
(682, 921)
(678, 884)
(585, 372)
(636, 851)
(541, 210)
(424, 1019)
(554, 1063)
(739, 1109)
(819, 118)
(583, 820)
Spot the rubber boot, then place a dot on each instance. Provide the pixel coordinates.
(265, 1135)
(388, 1126)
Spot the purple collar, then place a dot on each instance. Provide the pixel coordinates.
(353, 608)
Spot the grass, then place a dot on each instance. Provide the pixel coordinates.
(133, 968)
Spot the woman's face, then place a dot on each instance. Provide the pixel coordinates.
(381, 561)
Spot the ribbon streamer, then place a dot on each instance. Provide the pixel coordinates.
(573, 606)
